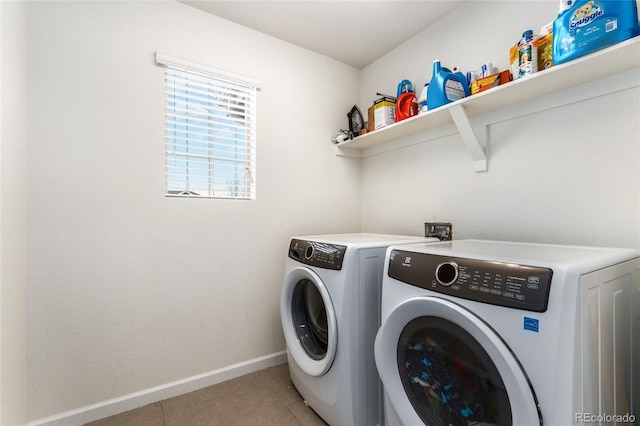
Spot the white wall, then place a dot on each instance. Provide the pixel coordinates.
(13, 88)
(570, 174)
(128, 289)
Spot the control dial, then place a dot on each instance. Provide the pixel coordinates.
(447, 273)
(308, 253)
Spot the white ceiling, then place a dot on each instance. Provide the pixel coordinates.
(356, 32)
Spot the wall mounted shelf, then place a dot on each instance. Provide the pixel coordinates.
(604, 63)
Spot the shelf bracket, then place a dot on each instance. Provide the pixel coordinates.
(348, 152)
(469, 137)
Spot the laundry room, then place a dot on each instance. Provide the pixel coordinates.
(115, 294)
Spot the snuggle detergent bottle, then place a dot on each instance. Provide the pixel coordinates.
(590, 25)
(445, 86)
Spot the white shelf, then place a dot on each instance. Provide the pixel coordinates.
(613, 60)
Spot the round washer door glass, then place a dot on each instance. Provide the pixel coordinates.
(310, 322)
(448, 376)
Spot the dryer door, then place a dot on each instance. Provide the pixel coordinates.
(308, 321)
(441, 364)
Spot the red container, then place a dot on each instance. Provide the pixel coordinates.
(406, 106)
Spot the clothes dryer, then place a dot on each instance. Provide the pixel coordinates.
(482, 332)
(330, 312)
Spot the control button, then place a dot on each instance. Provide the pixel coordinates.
(534, 280)
(509, 295)
(532, 286)
(474, 287)
(496, 291)
(447, 273)
(520, 296)
(308, 253)
(485, 289)
(455, 287)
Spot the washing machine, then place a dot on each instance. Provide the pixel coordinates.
(483, 332)
(330, 312)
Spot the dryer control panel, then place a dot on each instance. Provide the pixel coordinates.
(498, 283)
(321, 255)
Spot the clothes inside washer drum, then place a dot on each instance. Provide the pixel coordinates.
(448, 377)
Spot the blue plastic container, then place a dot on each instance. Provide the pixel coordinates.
(445, 86)
(403, 87)
(590, 25)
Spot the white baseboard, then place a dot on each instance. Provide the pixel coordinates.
(149, 396)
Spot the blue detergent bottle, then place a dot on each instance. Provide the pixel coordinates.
(590, 25)
(445, 86)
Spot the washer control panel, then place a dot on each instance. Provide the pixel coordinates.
(321, 255)
(498, 283)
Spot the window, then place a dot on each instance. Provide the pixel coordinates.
(210, 119)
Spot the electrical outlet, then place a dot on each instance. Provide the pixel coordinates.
(441, 230)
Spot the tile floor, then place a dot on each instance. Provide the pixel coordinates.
(266, 397)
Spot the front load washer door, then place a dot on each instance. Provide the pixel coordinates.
(441, 364)
(308, 321)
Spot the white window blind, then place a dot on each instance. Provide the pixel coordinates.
(210, 118)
